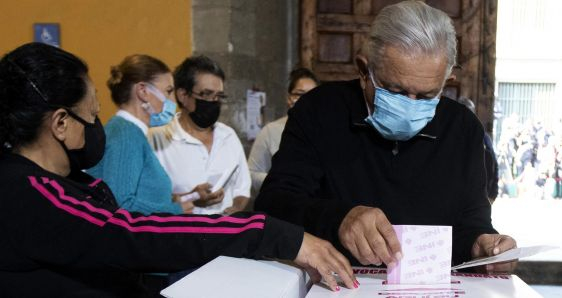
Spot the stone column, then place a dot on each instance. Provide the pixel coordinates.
(255, 43)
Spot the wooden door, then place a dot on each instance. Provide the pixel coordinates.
(332, 32)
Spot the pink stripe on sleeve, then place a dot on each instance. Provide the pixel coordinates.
(66, 208)
(56, 201)
(188, 230)
(88, 206)
(154, 218)
(96, 182)
(204, 219)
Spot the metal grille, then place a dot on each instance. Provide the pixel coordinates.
(535, 101)
(529, 101)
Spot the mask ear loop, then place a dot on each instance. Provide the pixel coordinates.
(145, 105)
(371, 77)
(152, 89)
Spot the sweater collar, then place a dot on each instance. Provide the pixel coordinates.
(129, 117)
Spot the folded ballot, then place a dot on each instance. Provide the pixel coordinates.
(426, 252)
(506, 256)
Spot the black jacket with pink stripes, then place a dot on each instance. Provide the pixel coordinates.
(65, 236)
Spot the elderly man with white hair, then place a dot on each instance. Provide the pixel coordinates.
(357, 156)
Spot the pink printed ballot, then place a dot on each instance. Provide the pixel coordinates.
(426, 252)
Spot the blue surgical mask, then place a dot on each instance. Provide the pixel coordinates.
(397, 117)
(168, 109)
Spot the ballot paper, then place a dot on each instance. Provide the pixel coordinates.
(217, 181)
(509, 255)
(222, 180)
(426, 252)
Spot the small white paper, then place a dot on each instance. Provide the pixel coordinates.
(255, 101)
(426, 254)
(213, 179)
(219, 181)
(509, 255)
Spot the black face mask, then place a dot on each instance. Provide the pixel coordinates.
(94, 145)
(206, 112)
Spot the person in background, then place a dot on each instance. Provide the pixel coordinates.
(301, 80)
(490, 160)
(63, 233)
(558, 169)
(195, 149)
(143, 89)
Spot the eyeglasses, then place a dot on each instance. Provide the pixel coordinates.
(211, 96)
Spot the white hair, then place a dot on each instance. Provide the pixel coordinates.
(415, 28)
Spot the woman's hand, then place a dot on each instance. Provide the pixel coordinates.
(321, 260)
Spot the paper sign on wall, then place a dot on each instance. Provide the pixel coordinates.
(255, 102)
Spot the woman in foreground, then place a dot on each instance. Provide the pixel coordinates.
(63, 234)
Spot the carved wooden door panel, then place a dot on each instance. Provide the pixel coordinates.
(332, 32)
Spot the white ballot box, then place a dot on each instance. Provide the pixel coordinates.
(462, 285)
(233, 277)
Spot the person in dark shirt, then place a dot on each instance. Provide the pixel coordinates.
(62, 232)
(490, 160)
(358, 156)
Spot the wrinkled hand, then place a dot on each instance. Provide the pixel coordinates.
(320, 259)
(206, 197)
(367, 234)
(487, 245)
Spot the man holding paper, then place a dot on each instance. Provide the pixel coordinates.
(359, 156)
(202, 156)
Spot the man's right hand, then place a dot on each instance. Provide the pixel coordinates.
(369, 236)
(206, 197)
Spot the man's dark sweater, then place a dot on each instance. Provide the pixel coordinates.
(330, 160)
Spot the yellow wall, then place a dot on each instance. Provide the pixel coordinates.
(103, 32)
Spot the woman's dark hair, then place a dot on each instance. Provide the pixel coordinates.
(300, 73)
(35, 79)
(184, 74)
(133, 69)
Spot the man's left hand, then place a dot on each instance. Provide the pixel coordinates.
(487, 245)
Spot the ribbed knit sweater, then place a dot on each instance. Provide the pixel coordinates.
(132, 171)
